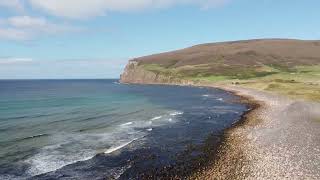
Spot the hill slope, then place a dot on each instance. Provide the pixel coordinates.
(242, 61)
(250, 52)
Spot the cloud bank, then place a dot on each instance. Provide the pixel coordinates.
(24, 27)
(91, 8)
(27, 27)
(16, 5)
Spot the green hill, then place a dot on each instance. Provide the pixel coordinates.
(286, 66)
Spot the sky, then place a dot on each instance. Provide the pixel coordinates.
(72, 39)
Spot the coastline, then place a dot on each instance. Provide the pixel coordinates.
(226, 160)
(231, 162)
(269, 140)
(208, 151)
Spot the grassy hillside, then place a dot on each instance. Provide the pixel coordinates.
(290, 67)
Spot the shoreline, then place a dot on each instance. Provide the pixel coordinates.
(261, 145)
(230, 160)
(278, 138)
(220, 152)
(209, 148)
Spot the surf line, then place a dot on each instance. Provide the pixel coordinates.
(115, 148)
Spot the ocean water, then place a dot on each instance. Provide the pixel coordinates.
(100, 129)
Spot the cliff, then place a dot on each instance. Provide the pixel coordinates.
(135, 74)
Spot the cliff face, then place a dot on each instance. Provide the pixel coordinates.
(135, 74)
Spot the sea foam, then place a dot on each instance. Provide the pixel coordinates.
(176, 113)
(127, 124)
(115, 148)
(156, 118)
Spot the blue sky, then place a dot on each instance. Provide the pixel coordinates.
(95, 38)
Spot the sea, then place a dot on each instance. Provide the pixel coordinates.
(102, 129)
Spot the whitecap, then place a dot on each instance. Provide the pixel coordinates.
(176, 113)
(49, 159)
(127, 124)
(150, 129)
(115, 148)
(205, 95)
(77, 147)
(156, 118)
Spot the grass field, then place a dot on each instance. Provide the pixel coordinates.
(297, 82)
(301, 82)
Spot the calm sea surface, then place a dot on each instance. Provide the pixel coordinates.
(95, 129)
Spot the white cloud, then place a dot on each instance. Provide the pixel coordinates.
(16, 5)
(14, 34)
(11, 60)
(89, 8)
(27, 27)
(27, 21)
(39, 24)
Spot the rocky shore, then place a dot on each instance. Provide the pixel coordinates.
(279, 139)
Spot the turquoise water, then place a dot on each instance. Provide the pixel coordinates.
(46, 125)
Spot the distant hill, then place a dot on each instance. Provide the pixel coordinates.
(240, 54)
(249, 52)
(234, 60)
